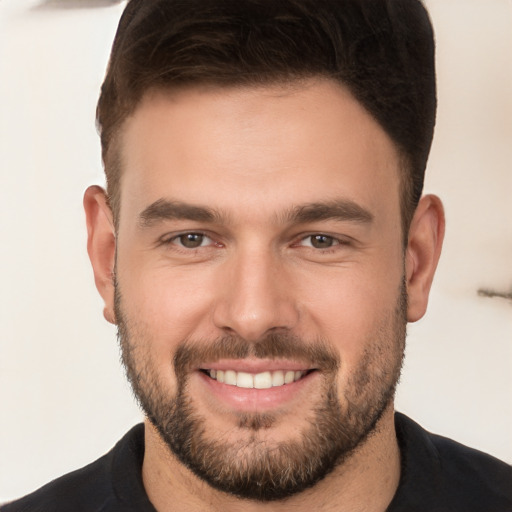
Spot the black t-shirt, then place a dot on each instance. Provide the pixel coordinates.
(438, 475)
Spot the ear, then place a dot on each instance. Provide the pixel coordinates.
(101, 245)
(426, 235)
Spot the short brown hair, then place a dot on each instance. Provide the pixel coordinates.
(381, 50)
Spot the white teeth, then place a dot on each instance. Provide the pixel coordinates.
(289, 377)
(277, 378)
(244, 380)
(230, 377)
(264, 380)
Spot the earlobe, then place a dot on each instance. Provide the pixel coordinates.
(101, 245)
(426, 235)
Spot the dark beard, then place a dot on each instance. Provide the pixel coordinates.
(255, 468)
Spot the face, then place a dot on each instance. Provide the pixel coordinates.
(259, 279)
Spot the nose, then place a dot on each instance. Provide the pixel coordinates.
(256, 297)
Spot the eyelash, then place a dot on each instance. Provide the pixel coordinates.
(336, 242)
(171, 241)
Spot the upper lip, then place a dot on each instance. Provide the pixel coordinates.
(256, 365)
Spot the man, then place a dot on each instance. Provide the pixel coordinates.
(261, 245)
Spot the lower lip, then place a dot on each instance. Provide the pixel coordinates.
(257, 400)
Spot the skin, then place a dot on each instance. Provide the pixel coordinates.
(253, 155)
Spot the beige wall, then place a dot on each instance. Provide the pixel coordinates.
(63, 399)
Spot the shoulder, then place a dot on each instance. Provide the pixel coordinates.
(92, 487)
(476, 477)
(457, 459)
(85, 489)
(440, 474)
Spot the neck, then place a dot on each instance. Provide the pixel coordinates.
(366, 481)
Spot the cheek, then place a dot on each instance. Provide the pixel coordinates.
(169, 304)
(353, 310)
(160, 311)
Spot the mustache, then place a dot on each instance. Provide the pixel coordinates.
(318, 354)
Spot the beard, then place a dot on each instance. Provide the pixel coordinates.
(252, 466)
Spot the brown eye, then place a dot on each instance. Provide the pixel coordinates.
(322, 241)
(191, 240)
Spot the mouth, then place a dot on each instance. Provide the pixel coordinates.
(262, 380)
(256, 385)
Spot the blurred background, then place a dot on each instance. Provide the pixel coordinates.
(63, 397)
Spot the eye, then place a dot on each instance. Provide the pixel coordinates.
(191, 240)
(320, 241)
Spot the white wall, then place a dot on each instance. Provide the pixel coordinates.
(63, 398)
(458, 376)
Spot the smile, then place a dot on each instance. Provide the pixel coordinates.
(263, 380)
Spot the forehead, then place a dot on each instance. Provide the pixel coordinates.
(259, 146)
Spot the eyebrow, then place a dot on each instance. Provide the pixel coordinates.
(163, 209)
(340, 209)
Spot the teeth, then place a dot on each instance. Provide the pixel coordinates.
(264, 380)
(289, 377)
(277, 379)
(230, 377)
(244, 380)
